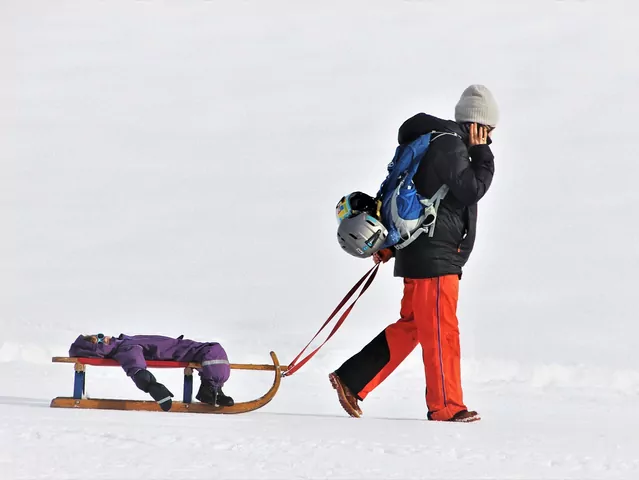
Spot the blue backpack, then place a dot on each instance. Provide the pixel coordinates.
(404, 212)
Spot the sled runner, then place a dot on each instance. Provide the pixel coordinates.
(186, 405)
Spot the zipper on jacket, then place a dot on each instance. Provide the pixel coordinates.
(462, 241)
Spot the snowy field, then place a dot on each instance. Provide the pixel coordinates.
(172, 167)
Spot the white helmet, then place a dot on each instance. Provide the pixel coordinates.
(361, 235)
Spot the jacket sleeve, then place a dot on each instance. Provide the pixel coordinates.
(468, 180)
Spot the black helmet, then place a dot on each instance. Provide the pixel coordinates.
(354, 203)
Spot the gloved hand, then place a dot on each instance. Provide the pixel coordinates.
(383, 256)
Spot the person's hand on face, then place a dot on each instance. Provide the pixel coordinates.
(478, 135)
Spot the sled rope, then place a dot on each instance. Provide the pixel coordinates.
(368, 277)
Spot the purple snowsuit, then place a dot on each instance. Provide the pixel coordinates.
(132, 351)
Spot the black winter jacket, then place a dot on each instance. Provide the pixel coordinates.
(468, 174)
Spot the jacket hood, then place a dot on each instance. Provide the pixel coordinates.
(82, 347)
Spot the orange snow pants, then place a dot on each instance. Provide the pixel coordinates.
(428, 317)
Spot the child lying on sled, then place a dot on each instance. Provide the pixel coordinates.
(131, 352)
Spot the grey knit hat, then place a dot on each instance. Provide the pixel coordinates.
(477, 105)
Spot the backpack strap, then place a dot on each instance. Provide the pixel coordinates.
(431, 206)
(441, 134)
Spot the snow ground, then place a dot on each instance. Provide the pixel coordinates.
(130, 130)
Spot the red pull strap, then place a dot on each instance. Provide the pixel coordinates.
(294, 366)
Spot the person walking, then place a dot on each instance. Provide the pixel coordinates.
(431, 266)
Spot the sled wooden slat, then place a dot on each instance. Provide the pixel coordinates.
(150, 406)
(186, 406)
(109, 362)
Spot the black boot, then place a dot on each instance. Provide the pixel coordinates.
(162, 395)
(213, 395)
(221, 399)
(146, 382)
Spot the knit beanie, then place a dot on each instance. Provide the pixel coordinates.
(477, 105)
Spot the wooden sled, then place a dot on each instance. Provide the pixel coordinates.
(185, 406)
